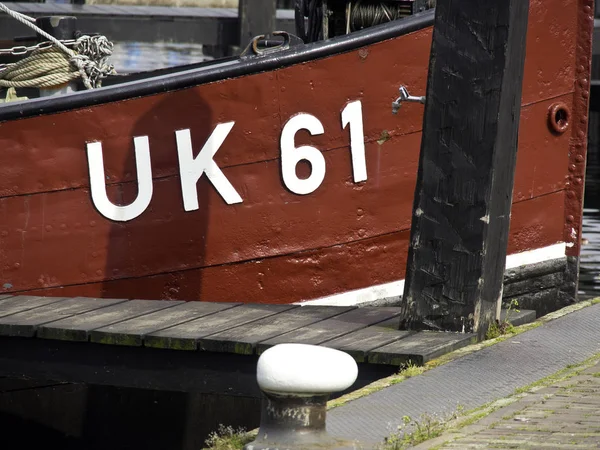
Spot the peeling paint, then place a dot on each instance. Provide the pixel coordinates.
(573, 233)
(385, 136)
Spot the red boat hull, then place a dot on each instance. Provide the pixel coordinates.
(276, 246)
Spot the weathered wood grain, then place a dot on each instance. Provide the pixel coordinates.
(359, 343)
(20, 303)
(132, 332)
(533, 284)
(185, 336)
(461, 212)
(25, 323)
(420, 347)
(78, 328)
(243, 339)
(335, 327)
(2, 297)
(523, 273)
(256, 17)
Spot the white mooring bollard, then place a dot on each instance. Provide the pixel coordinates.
(296, 381)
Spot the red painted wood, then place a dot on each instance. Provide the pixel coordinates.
(579, 128)
(534, 223)
(261, 103)
(551, 49)
(541, 159)
(271, 221)
(315, 273)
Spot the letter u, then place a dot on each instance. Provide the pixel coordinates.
(98, 186)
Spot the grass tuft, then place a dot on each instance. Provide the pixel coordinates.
(228, 438)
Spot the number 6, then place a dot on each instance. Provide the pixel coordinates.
(291, 156)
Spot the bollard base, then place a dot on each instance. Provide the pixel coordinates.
(292, 422)
(329, 444)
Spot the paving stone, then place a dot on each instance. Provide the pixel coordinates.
(564, 420)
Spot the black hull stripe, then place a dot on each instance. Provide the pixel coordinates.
(215, 72)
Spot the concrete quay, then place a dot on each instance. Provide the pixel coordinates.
(562, 415)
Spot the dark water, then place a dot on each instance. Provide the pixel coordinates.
(140, 56)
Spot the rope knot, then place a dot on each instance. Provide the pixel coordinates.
(57, 65)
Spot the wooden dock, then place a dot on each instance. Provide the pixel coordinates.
(369, 334)
(197, 346)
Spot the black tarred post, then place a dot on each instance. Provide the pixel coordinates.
(256, 17)
(461, 212)
(60, 27)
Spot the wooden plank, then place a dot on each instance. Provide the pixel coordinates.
(338, 225)
(132, 332)
(533, 284)
(533, 225)
(335, 327)
(185, 336)
(141, 368)
(461, 212)
(420, 347)
(78, 328)
(25, 323)
(522, 273)
(2, 297)
(243, 339)
(25, 302)
(359, 343)
(360, 262)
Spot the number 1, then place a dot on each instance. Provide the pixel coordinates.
(352, 114)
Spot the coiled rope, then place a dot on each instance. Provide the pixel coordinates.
(359, 14)
(56, 65)
(364, 14)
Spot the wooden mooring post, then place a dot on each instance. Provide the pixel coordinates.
(461, 212)
(256, 17)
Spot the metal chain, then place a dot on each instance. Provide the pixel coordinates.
(91, 71)
(26, 20)
(23, 50)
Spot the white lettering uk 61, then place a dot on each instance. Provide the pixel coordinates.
(191, 169)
